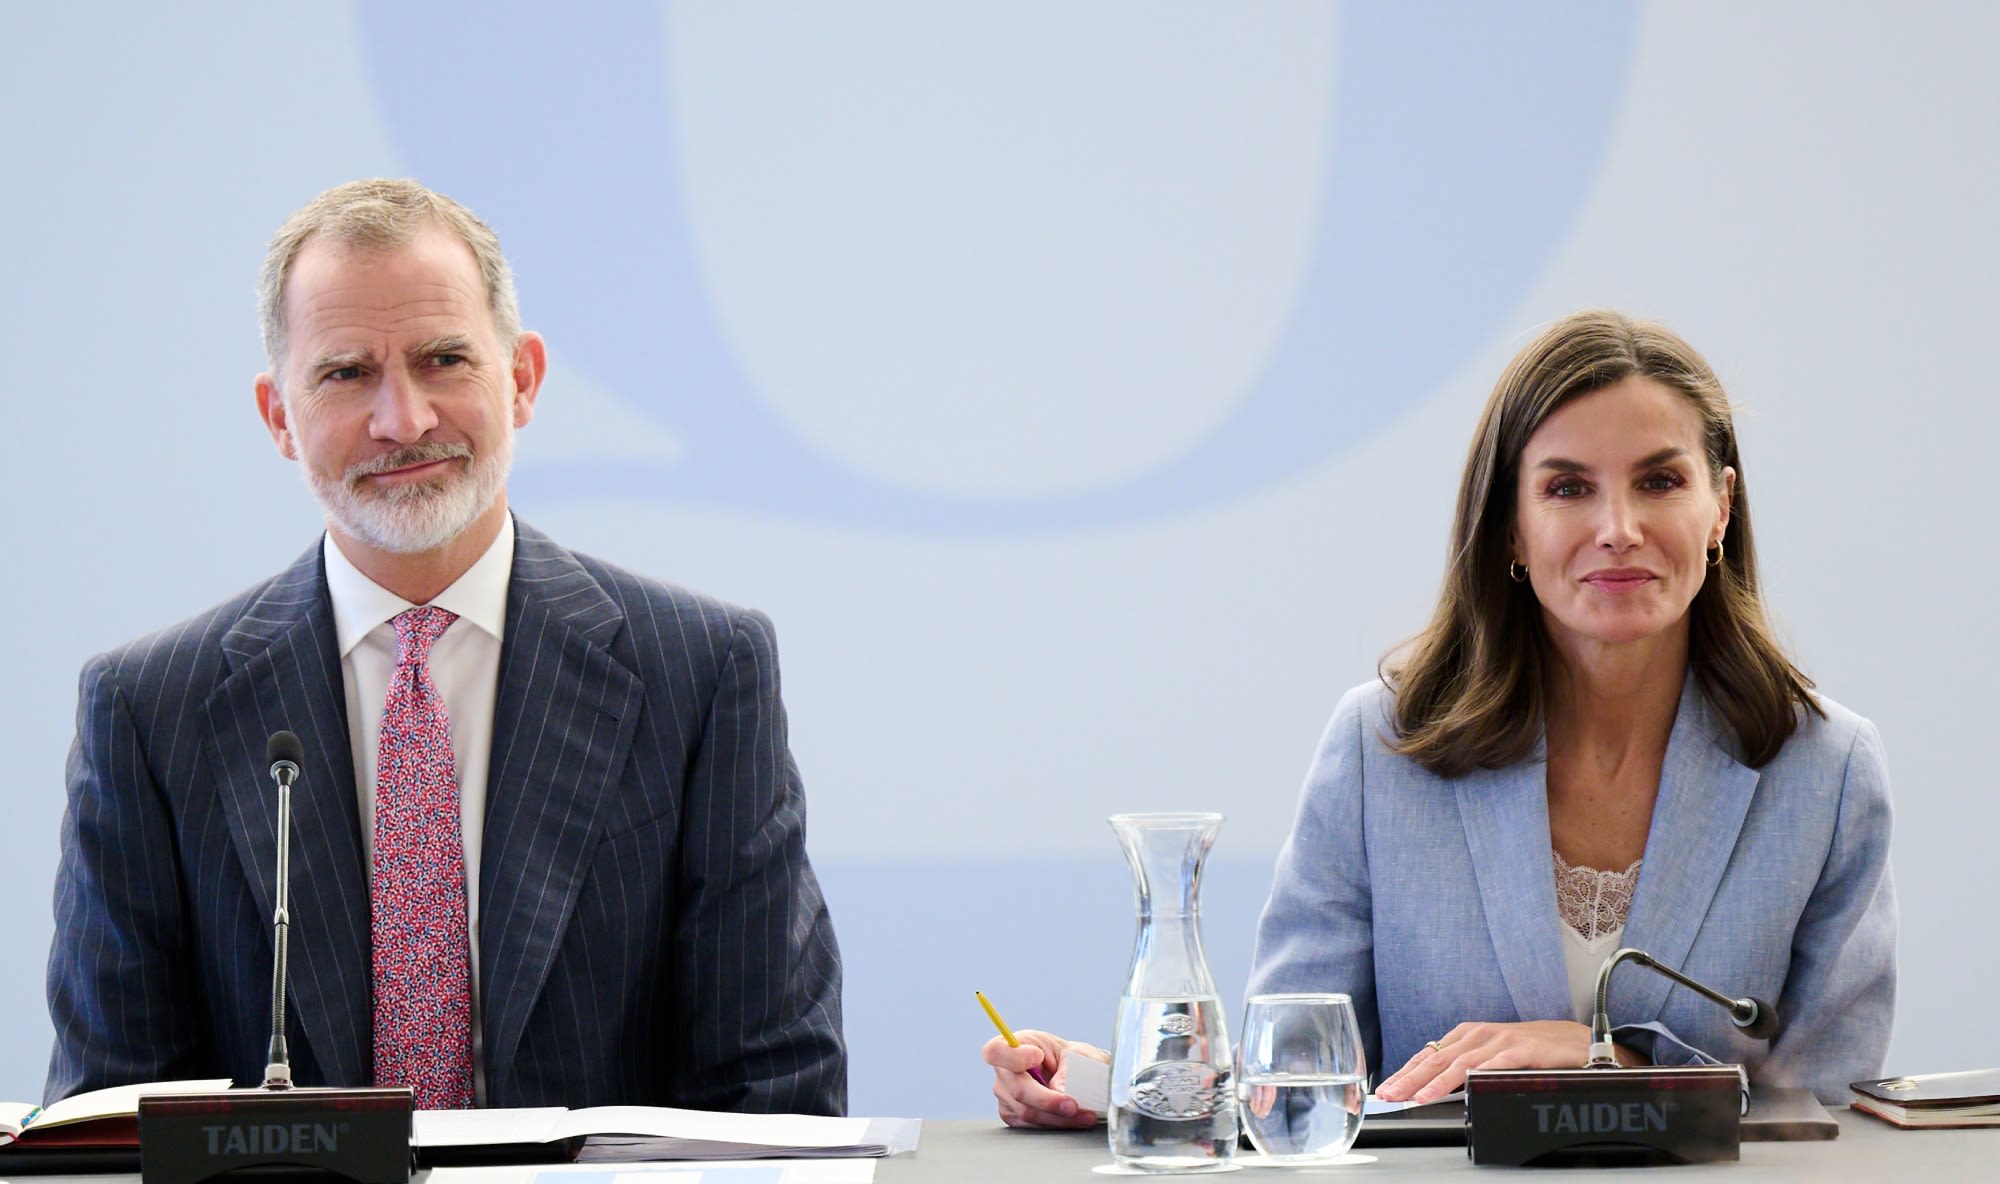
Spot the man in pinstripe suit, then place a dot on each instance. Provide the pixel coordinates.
(635, 908)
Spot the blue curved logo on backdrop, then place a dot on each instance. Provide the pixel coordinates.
(1465, 145)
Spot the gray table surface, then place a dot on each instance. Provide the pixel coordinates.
(982, 1150)
(1867, 1150)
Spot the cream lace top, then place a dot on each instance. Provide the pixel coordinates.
(1593, 905)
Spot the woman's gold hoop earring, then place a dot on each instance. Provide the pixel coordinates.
(1517, 571)
(1715, 557)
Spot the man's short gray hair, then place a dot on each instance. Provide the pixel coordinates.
(380, 215)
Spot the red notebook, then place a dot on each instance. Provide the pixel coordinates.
(104, 1119)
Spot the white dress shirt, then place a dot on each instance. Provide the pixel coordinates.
(464, 665)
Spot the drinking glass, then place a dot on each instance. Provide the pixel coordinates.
(1301, 1076)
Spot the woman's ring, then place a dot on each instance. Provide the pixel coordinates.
(1434, 1046)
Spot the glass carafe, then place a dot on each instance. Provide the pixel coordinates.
(1173, 1107)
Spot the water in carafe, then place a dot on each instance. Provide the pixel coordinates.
(1173, 1106)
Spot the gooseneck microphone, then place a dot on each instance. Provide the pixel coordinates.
(1758, 1019)
(358, 1134)
(283, 753)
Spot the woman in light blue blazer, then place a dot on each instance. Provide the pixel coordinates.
(1596, 742)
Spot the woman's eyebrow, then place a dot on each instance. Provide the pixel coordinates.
(1562, 464)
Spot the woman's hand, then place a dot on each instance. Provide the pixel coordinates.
(1026, 1102)
(1543, 1044)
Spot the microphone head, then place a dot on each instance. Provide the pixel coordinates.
(1763, 1025)
(284, 747)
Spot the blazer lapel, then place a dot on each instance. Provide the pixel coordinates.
(1506, 818)
(1704, 798)
(562, 729)
(285, 674)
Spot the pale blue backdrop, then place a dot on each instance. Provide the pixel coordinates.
(1081, 388)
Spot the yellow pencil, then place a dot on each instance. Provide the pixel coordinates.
(1007, 1033)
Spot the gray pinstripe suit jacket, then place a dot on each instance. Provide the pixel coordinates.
(650, 929)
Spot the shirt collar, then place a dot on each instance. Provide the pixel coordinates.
(360, 605)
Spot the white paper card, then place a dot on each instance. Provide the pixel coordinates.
(1086, 1079)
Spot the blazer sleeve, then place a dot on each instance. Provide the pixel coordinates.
(119, 991)
(1840, 994)
(753, 944)
(1316, 933)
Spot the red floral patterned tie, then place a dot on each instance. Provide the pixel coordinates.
(423, 978)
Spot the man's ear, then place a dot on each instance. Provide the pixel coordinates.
(531, 365)
(277, 420)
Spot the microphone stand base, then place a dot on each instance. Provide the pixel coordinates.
(362, 1135)
(1652, 1115)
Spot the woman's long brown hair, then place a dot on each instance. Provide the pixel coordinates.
(1471, 689)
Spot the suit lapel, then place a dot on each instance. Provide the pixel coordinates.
(285, 674)
(1704, 797)
(562, 730)
(1506, 817)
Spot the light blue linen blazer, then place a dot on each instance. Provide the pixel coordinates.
(1431, 900)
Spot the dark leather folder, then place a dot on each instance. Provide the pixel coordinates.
(1971, 1098)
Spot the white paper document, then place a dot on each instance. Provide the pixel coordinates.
(485, 1128)
(662, 1122)
(645, 1134)
(1375, 1105)
(751, 1171)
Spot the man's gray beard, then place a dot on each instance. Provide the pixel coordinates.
(411, 519)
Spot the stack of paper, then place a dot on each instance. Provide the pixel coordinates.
(634, 1134)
